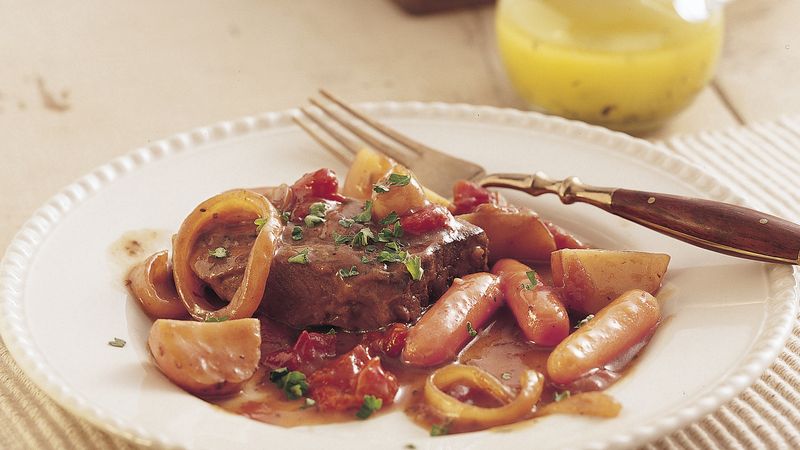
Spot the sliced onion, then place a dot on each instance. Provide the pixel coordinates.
(249, 294)
(460, 413)
(151, 284)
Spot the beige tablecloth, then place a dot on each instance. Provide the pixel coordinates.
(761, 161)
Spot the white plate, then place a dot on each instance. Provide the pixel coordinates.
(63, 299)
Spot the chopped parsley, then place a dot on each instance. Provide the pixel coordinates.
(318, 209)
(216, 319)
(219, 252)
(584, 321)
(397, 179)
(471, 330)
(505, 375)
(311, 221)
(369, 406)
(293, 383)
(390, 234)
(394, 245)
(347, 273)
(363, 237)
(365, 260)
(285, 216)
(531, 274)
(117, 342)
(563, 395)
(259, 223)
(370, 248)
(340, 239)
(386, 256)
(300, 258)
(346, 223)
(414, 267)
(366, 214)
(390, 219)
(439, 430)
(380, 188)
(332, 331)
(297, 233)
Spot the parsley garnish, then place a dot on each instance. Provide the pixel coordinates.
(397, 179)
(558, 396)
(390, 234)
(300, 258)
(216, 319)
(219, 252)
(311, 221)
(297, 233)
(293, 383)
(363, 237)
(380, 189)
(364, 260)
(318, 209)
(347, 273)
(387, 256)
(370, 405)
(505, 375)
(117, 342)
(340, 239)
(439, 430)
(285, 216)
(531, 274)
(366, 214)
(414, 267)
(394, 245)
(390, 219)
(331, 331)
(584, 321)
(471, 330)
(346, 223)
(259, 223)
(370, 248)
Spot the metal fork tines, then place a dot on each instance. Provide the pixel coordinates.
(336, 122)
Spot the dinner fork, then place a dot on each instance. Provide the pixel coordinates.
(718, 226)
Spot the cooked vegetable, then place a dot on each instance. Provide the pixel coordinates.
(151, 283)
(459, 413)
(233, 205)
(513, 232)
(403, 195)
(592, 278)
(620, 329)
(537, 308)
(209, 358)
(367, 170)
(442, 332)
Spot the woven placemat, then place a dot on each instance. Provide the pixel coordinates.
(760, 161)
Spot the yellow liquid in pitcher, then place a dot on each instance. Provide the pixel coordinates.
(625, 64)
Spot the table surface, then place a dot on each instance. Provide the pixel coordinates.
(83, 82)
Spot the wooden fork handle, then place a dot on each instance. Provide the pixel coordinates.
(718, 226)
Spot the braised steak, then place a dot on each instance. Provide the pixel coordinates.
(343, 284)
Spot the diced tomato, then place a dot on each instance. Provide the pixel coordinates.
(342, 384)
(389, 342)
(308, 353)
(429, 218)
(321, 184)
(468, 195)
(563, 238)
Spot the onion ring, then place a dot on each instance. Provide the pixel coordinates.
(151, 283)
(460, 413)
(249, 294)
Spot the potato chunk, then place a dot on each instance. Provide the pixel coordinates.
(513, 232)
(207, 358)
(591, 278)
